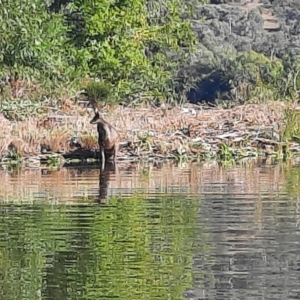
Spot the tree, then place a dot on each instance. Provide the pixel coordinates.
(34, 42)
(135, 45)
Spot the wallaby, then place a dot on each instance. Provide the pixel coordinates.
(108, 137)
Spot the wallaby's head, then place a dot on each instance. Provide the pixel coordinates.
(97, 119)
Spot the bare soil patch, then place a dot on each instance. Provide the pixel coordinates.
(270, 20)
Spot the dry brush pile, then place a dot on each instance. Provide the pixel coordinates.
(191, 131)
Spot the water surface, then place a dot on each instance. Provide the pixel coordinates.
(144, 231)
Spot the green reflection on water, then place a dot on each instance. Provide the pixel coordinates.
(133, 248)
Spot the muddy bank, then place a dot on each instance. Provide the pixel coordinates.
(181, 133)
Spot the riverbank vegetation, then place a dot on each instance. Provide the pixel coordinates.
(148, 62)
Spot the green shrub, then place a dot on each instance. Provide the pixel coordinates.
(34, 43)
(132, 50)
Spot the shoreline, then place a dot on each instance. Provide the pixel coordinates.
(190, 132)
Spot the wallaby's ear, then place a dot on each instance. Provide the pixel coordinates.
(96, 118)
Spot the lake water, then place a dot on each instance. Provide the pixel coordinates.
(144, 231)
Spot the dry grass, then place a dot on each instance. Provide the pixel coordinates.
(55, 132)
(148, 131)
(194, 128)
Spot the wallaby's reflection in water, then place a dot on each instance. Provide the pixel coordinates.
(110, 169)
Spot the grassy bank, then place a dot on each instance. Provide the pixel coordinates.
(150, 52)
(189, 132)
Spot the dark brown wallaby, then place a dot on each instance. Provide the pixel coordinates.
(108, 137)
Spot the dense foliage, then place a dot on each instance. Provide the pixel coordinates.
(144, 49)
(134, 46)
(235, 47)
